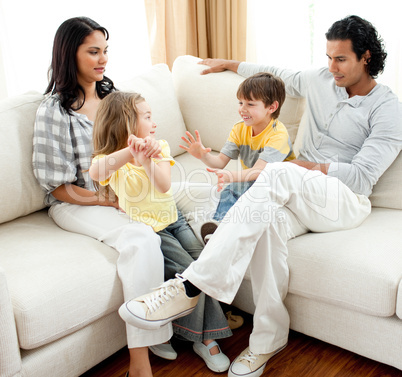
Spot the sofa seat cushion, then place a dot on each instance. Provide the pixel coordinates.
(359, 269)
(58, 281)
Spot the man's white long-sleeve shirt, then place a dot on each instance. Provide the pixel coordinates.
(359, 136)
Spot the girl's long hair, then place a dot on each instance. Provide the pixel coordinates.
(63, 69)
(116, 119)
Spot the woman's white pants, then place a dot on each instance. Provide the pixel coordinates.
(284, 202)
(140, 262)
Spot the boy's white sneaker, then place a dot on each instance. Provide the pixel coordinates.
(249, 364)
(156, 309)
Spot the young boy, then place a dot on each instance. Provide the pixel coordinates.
(258, 139)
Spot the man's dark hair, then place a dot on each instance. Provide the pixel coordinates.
(364, 37)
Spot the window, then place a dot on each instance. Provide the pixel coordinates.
(291, 33)
(27, 29)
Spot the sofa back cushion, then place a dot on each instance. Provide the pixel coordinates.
(20, 193)
(156, 86)
(387, 193)
(209, 102)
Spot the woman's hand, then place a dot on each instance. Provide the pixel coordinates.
(109, 202)
(195, 147)
(73, 194)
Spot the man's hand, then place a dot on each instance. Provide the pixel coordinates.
(195, 147)
(219, 65)
(323, 168)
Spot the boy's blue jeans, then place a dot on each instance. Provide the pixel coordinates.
(180, 247)
(229, 196)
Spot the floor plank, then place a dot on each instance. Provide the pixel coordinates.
(303, 357)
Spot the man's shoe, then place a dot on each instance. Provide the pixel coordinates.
(217, 363)
(156, 309)
(164, 351)
(249, 364)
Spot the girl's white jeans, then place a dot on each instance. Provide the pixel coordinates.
(285, 201)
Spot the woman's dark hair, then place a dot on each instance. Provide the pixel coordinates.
(63, 69)
(364, 37)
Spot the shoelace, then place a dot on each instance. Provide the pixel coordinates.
(165, 292)
(249, 356)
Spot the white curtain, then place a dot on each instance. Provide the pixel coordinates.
(291, 33)
(27, 29)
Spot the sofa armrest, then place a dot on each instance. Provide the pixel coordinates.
(10, 358)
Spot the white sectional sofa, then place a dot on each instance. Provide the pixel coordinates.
(59, 291)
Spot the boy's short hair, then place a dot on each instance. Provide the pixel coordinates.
(263, 87)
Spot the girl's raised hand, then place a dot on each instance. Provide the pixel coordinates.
(195, 147)
(136, 144)
(136, 148)
(152, 148)
(148, 147)
(132, 139)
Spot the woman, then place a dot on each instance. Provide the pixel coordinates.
(61, 159)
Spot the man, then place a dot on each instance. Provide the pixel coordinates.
(351, 135)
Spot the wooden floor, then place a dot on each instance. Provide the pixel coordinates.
(303, 357)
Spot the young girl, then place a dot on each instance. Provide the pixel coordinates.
(122, 135)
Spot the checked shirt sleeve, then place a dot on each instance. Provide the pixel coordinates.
(53, 151)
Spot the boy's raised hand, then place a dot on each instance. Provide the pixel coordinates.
(223, 177)
(195, 147)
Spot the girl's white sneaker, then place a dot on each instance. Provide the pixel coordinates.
(217, 363)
